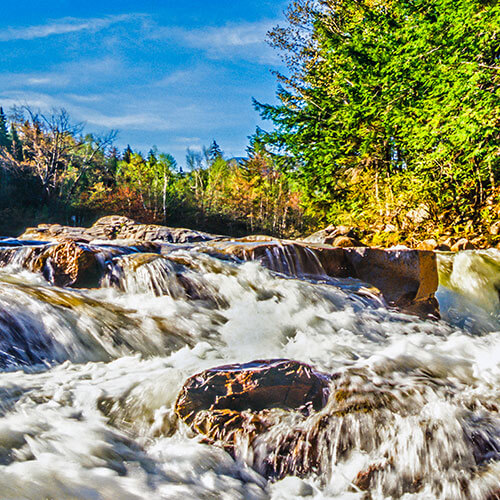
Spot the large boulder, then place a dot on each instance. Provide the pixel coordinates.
(407, 278)
(284, 418)
(68, 264)
(254, 386)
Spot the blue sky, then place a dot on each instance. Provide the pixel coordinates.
(167, 73)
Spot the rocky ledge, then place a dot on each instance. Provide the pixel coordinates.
(115, 227)
(406, 278)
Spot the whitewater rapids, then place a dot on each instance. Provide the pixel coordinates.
(89, 379)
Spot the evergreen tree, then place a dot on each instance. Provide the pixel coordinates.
(111, 168)
(390, 88)
(214, 152)
(127, 154)
(16, 146)
(152, 159)
(4, 136)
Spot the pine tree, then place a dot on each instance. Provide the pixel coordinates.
(16, 146)
(214, 152)
(152, 159)
(4, 136)
(127, 154)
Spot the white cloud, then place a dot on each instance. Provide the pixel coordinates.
(240, 41)
(74, 75)
(187, 140)
(141, 121)
(38, 81)
(61, 27)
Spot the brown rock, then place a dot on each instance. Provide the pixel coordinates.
(419, 214)
(330, 233)
(430, 244)
(115, 227)
(462, 244)
(253, 387)
(343, 242)
(495, 228)
(495, 495)
(443, 247)
(390, 228)
(364, 480)
(68, 264)
(407, 278)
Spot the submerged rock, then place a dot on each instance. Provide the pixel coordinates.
(284, 418)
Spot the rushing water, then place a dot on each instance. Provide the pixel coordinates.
(90, 377)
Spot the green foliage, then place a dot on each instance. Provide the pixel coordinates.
(391, 88)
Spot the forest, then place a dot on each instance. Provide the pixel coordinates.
(388, 121)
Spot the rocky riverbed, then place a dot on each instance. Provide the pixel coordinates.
(142, 361)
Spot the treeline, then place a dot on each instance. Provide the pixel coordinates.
(388, 120)
(51, 172)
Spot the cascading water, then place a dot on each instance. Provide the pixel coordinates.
(90, 378)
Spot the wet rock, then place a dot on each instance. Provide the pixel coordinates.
(215, 400)
(239, 403)
(365, 479)
(55, 232)
(495, 495)
(432, 245)
(407, 278)
(68, 264)
(462, 244)
(443, 247)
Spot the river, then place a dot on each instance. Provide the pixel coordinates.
(89, 379)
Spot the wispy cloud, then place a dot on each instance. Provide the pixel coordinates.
(141, 121)
(237, 41)
(62, 26)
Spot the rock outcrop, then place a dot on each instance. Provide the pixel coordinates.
(406, 278)
(115, 227)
